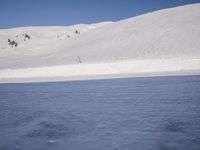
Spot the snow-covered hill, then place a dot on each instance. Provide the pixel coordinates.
(155, 43)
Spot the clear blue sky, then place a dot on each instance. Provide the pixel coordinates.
(15, 13)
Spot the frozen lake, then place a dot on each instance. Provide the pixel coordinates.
(156, 113)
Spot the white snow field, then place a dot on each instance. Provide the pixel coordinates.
(159, 43)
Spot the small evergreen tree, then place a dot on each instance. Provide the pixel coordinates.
(77, 32)
(9, 41)
(27, 36)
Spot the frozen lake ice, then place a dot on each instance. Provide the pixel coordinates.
(153, 113)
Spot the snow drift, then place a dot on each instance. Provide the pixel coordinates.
(160, 42)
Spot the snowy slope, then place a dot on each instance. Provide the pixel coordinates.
(163, 41)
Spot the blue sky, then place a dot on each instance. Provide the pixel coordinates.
(15, 13)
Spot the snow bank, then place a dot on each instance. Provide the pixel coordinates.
(102, 70)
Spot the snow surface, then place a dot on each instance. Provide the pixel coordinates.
(158, 42)
(155, 113)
